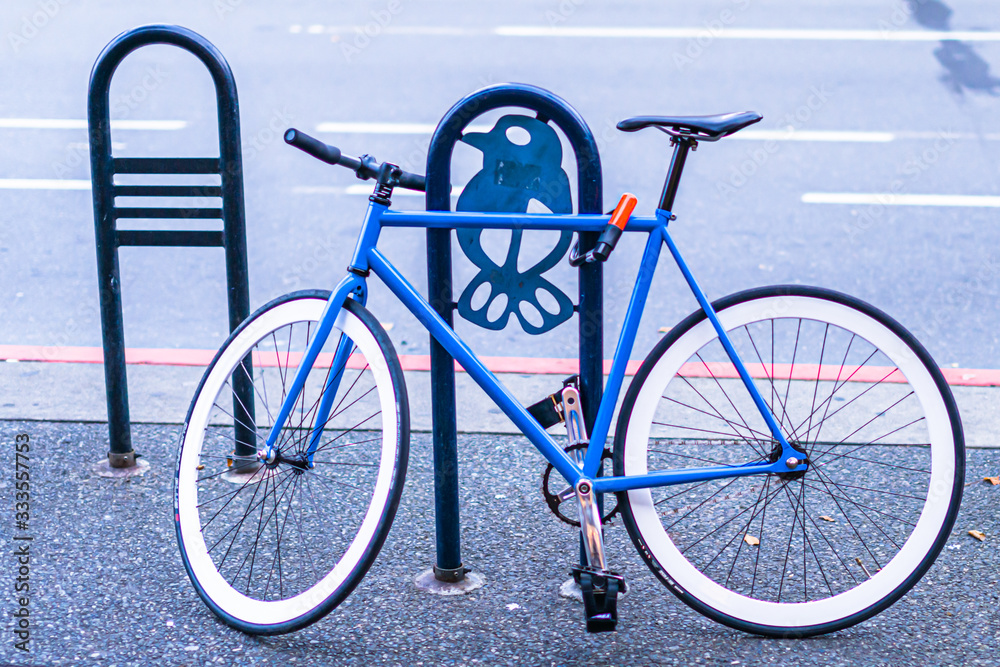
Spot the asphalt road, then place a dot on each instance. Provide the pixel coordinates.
(879, 100)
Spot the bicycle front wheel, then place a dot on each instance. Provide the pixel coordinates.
(272, 546)
(800, 553)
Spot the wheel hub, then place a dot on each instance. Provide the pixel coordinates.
(800, 458)
(298, 461)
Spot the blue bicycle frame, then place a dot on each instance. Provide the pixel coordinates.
(367, 258)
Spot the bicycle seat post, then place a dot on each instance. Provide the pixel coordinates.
(681, 147)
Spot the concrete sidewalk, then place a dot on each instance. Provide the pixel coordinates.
(108, 587)
(161, 394)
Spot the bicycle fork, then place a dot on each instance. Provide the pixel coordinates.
(600, 587)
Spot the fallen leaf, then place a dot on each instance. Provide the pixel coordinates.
(387, 326)
(663, 329)
(201, 466)
(978, 534)
(827, 518)
(751, 540)
(992, 480)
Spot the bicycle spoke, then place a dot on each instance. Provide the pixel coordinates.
(730, 400)
(700, 505)
(788, 549)
(350, 430)
(850, 402)
(769, 378)
(791, 374)
(872, 442)
(739, 548)
(688, 456)
(278, 534)
(819, 370)
(847, 518)
(878, 463)
(760, 434)
(306, 543)
(724, 524)
(836, 385)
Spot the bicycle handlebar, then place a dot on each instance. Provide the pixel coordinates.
(366, 167)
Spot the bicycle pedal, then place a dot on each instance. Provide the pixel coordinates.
(600, 590)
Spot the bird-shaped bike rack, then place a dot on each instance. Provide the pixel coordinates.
(515, 176)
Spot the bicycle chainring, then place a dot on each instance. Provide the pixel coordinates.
(555, 504)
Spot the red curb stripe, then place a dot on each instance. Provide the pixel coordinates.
(961, 377)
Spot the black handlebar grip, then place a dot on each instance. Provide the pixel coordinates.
(412, 182)
(365, 167)
(314, 147)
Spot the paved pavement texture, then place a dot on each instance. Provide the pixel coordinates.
(162, 395)
(108, 587)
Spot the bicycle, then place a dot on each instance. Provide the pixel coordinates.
(788, 460)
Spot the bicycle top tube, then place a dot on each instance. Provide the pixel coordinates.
(540, 221)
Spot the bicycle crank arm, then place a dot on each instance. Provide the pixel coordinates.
(599, 586)
(590, 524)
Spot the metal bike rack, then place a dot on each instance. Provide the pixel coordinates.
(228, 166)
(548, 108)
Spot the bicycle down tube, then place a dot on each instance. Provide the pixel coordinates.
(368, 258)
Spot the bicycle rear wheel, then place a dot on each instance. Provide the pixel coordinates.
(273, 547)
(800, 553)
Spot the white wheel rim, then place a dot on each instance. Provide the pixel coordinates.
(231, 601)
(859, 598)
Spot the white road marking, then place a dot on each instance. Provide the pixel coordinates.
(77, 124)
(846, 136)
(889, 199)
(388, 128)
(357, 190)
(814, 135)
(692, 32)
(754, 33)
(43, 184)
(753, 135)
(376, 128)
